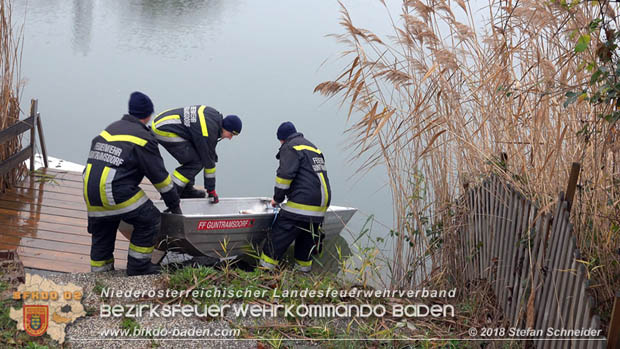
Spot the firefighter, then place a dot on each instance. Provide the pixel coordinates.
(120, 156)
(302, 178)
(190, 135)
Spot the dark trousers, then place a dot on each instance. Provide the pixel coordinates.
(285, 230)
(187, 155)
(145, 220)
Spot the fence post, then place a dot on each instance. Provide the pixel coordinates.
(42, 140)
(572, 183)
(33, 113)
(613, 338)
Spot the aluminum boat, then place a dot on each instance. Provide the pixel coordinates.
(230, 228)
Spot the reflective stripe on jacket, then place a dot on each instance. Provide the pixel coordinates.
(302, 177)
(198, 124)
(119, 158)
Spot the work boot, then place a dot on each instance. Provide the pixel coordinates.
(189, 192)
(149, 270)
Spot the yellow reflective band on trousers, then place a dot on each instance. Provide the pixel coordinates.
(123, 138)
(306, 147)
(210, 172)
(141, 249)
(304, 263)
(268, 259)
(163, 183)
(101, 263)
(182, 178)
(203, 122)
(86, 175)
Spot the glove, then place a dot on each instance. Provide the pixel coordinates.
(213, 194)
(175, 210)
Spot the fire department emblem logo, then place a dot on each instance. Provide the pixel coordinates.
(35, 319)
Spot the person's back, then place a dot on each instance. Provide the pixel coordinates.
(309, 195)
(114, 161)
(191, 135)
(302, 178)
(119, 158)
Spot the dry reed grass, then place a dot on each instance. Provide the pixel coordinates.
(438, 102)
(10, 58)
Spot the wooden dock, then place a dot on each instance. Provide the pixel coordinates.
(44, 219)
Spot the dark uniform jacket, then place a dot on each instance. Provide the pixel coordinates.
(119, 158)
(302, 177)
(198, 124)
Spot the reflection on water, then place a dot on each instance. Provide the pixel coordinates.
(82, 25)
(169, 28)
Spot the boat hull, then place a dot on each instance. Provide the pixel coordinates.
(232, 227)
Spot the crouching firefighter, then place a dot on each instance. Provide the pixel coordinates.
(190, 135)
(119, 158)
(302, 178)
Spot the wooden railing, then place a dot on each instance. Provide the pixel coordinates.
(29, 124)
(531, 259)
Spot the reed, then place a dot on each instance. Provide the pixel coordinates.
(440, 101)
(10, 59)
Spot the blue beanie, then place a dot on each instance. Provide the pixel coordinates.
(285, 130)
(140, 105)
(232, 123)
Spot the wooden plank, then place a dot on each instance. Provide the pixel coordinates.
(500, 285)
(538, 280)
(512, 232)
(16, 129)
(80, 239)
(14, 160)
(574, 289)
(476, 240)
(546, 261)
(470, 234)
(508, 230)
(41, 244)
(44, 201)
(567, 279)
(484, 239)
(41, 194)
(42, 140)
(562, 267)
(580, 304)
(58, 255)
(37, 262)
(497, 209)
(519, 257)
(30, 218)
(39, 209)
(549, 262)
(525, 278)
(556, 268)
